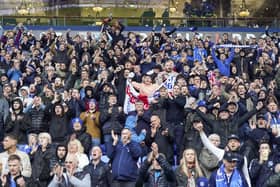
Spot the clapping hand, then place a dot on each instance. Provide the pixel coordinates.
(21, 182)
(153, 131)
(58, 170)
(4, 180)
(154, 148)
(259, 105)
(115, 138)
(165, 132)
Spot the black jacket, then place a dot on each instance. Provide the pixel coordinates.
(165, 143)
(259, 173)
(84, 138)
(120, 83)
(8, 184)
(224, 128)
(40, 162)
(166, 176)
(18, 126)
(274, 180)
(38, 120)
(113, 121)
(175, 109)
(100, 174)
(59, 126)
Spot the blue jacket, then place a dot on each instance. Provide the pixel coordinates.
(199, 54)
(124, 161)
(224, 67)
(14, 74)
(130, 123)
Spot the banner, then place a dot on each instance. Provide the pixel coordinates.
(131, 95)
(169, 83)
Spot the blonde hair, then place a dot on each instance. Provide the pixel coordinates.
(73, 158)
(45, 135)
(78, 144)
(183, 165)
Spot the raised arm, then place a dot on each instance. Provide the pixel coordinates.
(231, 55)
(136, 85)
(213, 50)
(219, 153)
(248, 115)
(208, 121)
(246, 171)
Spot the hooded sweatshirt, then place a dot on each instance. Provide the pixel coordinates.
(19, 125)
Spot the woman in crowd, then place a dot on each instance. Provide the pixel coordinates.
(75, 147)
(40, 160)
(189, 170)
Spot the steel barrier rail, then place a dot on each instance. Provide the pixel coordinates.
(142, 21)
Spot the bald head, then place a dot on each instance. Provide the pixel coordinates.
(125, 136)
(215, 139)
(96, 153)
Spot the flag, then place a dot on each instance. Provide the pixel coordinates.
(131, 95)
(212, 77)
(169, 83)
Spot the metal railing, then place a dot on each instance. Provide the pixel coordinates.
(142, 21)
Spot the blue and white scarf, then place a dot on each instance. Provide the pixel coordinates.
(222, 181)
(235, 46)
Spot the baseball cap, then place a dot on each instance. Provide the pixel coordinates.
(233, 136)
(196, 119)
(230, 156)
(201, 103)
(261, 116)
(232, 103)
(223, 109)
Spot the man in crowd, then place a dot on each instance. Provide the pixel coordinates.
(14, 176)
(124, 155)
(99, 171)
(10, 147)
(228, 174)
